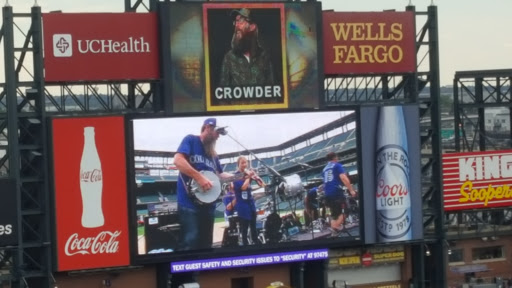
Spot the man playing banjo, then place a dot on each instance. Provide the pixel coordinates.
(196, 154)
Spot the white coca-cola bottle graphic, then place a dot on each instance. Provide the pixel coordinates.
(392, 177)
(91, 182)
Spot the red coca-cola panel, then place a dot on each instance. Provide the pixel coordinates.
(91, 218)
(100, 46)
(476, 180)
(361, 43)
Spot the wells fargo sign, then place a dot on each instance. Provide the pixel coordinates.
(477, 180)
(357, 43)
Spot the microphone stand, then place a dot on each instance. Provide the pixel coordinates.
(276, 180)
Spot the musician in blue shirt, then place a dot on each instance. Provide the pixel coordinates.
(229, 201)
(311, 206)
(245, 206)
(197, 153)
(334, 177)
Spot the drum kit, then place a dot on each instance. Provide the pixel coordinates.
(231, 237)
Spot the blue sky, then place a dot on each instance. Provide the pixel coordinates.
(473, 33)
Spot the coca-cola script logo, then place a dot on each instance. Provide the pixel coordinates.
(91, 176)
(104, 242)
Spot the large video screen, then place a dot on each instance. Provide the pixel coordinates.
(242, 184)
(242, 56)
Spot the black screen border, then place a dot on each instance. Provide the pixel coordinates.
(138, 259)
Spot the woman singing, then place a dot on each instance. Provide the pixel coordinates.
(245, 206)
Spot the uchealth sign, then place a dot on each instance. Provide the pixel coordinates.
(100, 46)
(357, 43)
(477, 180)
(90, 193)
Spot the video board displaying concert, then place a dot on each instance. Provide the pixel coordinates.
(203, 184)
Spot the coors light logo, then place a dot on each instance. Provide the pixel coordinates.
(393, 197)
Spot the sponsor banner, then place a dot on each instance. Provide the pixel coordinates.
(357, 43)
(249, 260)
(391, 161)
(476, 180)
(244, 56)
(368, 259)
(398, 256)
(90, 193)
(379, 285)
(100, 46)
(349, 261)
(8, 213)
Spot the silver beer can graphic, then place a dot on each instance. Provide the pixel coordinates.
(393, 198)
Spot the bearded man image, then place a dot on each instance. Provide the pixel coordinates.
(247, 63)
(197, 153)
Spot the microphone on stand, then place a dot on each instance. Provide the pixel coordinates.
(222, 131)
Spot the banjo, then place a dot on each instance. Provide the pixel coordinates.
(213, 194)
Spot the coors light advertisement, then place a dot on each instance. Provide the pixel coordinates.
(90, 193)
(391, 174)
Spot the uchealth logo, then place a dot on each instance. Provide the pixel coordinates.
(104, 243)
(62, 45)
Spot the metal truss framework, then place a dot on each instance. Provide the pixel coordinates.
(26, 102)
(26, 160)
(389, 89)
(475, 93)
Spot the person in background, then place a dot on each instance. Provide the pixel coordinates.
(334, 177)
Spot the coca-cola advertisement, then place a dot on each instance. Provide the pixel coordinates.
(90, 192)
(235, 184)
(100, 46)
(392, 172)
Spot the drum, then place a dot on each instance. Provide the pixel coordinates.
(293, 185)
(234, 224)
(272, 228)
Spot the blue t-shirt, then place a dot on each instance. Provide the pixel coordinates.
(192, 148)
(332, 181)
(313, 193)
(312, 197)
(226, 200)
(244, 202)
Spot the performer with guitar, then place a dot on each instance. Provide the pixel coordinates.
(245, 205)
(195, 156)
